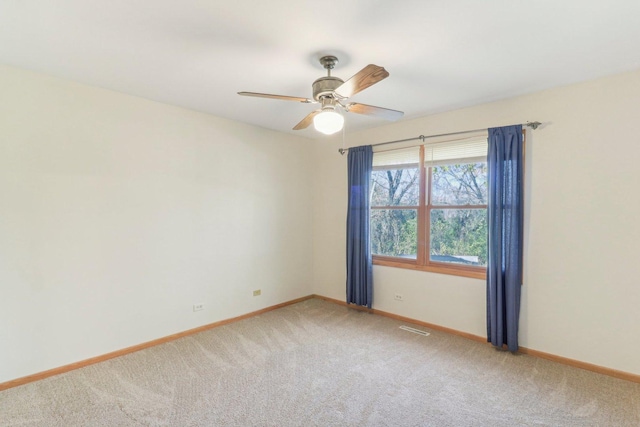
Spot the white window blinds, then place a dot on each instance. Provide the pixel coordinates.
(397, 159)
(467, 150)
(438, 152)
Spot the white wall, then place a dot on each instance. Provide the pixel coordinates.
(117, 214)
(581, 297)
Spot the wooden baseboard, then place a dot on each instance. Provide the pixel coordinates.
(66, 368)
(535, 353)
(582, 365)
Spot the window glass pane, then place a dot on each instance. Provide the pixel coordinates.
(395, 187)
(460, 184)
(394, 232)
(459, 236)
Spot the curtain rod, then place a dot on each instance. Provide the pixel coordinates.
(532, 125)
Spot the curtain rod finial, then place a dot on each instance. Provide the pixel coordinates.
(342, 151)
(533, 125)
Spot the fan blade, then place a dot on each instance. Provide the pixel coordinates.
(282, 97)
(369, 75)
(370, 110)
(304, 123)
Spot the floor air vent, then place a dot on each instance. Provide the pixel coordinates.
(415, 331)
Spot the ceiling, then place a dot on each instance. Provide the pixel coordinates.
(441, 55)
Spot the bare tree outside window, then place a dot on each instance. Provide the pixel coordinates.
(394, 230)
(458, 231)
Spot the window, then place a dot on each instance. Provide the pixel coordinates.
(429, 207)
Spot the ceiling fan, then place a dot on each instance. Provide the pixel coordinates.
(332, 94)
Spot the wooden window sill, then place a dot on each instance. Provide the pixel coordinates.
(463, 271)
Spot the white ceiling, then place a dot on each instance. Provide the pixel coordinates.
(441, 55)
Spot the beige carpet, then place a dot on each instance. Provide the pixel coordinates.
(319, 364)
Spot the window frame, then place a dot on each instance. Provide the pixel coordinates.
(423, 261)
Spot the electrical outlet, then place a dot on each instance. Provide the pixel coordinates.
(398, 297)
(198, 307)
(257, 292)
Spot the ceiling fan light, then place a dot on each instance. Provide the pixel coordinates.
(328, 122)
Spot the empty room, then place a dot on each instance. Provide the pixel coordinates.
(337, 213)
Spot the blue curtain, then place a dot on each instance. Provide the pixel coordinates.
(359, 269)
(505, 210)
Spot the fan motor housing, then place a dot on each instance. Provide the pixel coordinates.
(325, 86)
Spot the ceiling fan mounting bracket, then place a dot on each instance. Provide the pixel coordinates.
(329, 62)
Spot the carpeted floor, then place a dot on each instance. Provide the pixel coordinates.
(319, 364)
